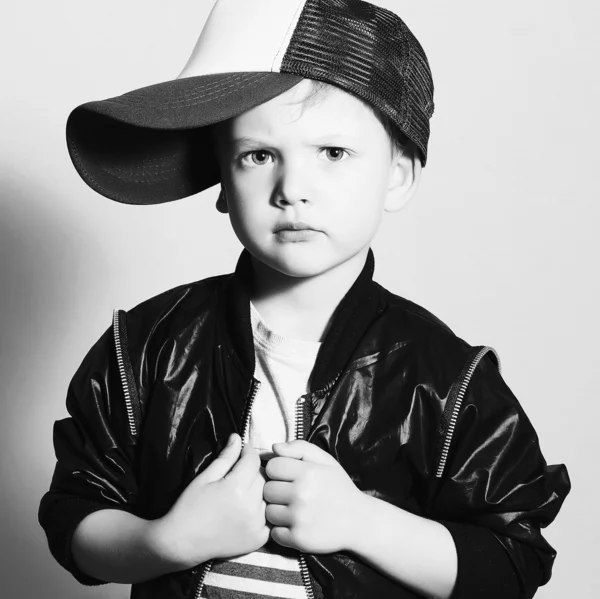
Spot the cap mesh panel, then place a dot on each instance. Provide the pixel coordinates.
(370, 52)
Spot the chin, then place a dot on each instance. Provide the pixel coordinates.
(298, 266)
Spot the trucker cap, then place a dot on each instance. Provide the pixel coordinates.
(154, 145)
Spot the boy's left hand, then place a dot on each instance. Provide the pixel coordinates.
(311, 501)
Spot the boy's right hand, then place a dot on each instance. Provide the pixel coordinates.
(220, 514)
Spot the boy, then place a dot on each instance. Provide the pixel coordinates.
(395, 460)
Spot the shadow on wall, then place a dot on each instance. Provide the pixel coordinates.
(35, 263)
(38, 263)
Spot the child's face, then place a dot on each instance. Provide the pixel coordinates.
(325, 164)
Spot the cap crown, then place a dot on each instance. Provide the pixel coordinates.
(357, 46)
(244, 36)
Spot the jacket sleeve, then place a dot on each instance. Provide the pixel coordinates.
(94, 449)
(497, 492)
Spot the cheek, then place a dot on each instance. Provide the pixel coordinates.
(365, 222)
(361, 189)
(247, 212)
(250, 189)
(365, 177)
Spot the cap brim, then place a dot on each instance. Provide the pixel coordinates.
(152, 145)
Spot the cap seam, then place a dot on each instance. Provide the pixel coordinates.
(288, 38)
(79, 162)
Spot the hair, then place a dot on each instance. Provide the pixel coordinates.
(398, 139)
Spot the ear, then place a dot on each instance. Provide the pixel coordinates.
(221, 203)
(404, 181)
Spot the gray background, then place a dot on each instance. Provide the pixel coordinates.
(500, 242)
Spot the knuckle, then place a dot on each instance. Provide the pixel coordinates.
(251, 453)
(269, 512)
(275, 535)
(267, 491)
(309, 484)
(302, 521)
(272, 467)
(301, 493)
(309, 475)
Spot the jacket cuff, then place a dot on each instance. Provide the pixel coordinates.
(59, 521)
(484, 567)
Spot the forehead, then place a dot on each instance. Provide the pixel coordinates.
(309, 107)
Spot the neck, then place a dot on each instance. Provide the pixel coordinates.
(302, 307)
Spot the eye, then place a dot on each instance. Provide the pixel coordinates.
(334, 154)
(258, 157)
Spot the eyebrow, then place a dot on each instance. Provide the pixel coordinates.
(328, 137)
(322, 140)
(247, 141)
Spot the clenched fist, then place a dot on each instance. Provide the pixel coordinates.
(221, 513)
(312, 503)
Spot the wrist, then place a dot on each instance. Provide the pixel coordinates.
(167, 550)
(415, 551)
(361, 522)
(375, 522)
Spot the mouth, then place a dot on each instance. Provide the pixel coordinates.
(296, 232)
(294, 226)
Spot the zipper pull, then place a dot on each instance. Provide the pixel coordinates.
(303, 416)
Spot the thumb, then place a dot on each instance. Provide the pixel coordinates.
(223, 463)
(303, 450)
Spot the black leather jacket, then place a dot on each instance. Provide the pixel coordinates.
(415, 415)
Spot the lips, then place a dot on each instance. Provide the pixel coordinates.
(294, 232)
(294, 226)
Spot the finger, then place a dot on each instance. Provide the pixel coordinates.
(246, 468)
(282, 536)
(223, 463)
(256, 505)
(278, 515)
(303, 450)
(275, 491)
(255, 490)
(284, 469)
(263, 512)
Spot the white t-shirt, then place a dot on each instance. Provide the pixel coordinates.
(283, 366)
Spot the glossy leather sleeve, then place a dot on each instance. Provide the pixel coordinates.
(497, 493)
(95, 454)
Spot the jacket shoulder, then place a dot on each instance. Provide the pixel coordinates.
(173, 314)
(411, 319)
(430, 343)
(179, 303)
(417, 316)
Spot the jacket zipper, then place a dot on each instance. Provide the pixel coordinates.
(302, 419)
(464, 383)
(300, 416)
(122, 372)
(199, 585)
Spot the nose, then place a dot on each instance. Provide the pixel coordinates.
(292, 185)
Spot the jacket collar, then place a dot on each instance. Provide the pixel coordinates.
(358, 308)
